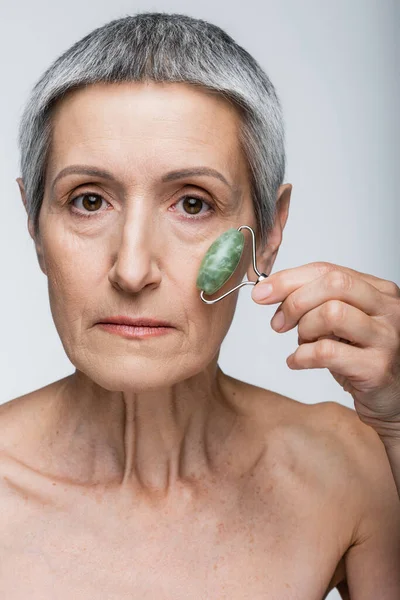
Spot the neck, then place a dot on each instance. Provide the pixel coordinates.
(150, 440)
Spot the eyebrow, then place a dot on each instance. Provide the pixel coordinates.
(171, 176)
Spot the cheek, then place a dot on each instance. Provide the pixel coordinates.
(72, 274)
(208, 324)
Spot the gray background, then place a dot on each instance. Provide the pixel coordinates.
(335, 68)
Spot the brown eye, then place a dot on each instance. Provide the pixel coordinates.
(90, 202)
(192, 205)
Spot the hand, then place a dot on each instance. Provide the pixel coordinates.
(349, 323)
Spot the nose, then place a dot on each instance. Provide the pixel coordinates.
(137, 256)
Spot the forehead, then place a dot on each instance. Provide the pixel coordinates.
(137, 120)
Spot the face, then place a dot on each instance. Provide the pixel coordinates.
(130, 242)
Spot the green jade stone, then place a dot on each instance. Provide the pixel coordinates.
(220, 261)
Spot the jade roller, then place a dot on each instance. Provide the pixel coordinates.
(221, 261)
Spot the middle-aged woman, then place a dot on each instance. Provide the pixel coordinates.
(148, 472)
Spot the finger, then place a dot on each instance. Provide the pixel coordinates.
(344, 321)
(286, 281)
(343, 359)
(334, 285)
(386, 286)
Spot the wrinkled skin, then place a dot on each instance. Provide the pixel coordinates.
(148, 472)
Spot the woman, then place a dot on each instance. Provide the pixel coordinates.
(148, 472)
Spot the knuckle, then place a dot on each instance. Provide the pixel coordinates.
(338, 280)
(295, 305)
(390, 334)
(301, 331)
(392, 288)
(300, 328)
(323, 267)
(333, 311)
(325, 349)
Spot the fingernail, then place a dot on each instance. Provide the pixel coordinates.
(278, 320)
(262, 291)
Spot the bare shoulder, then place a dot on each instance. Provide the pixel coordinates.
(329, 443)
(372, 561)
(332, 428)
(309, 438)
(332, 455)
(366, 453)
(346, 454)
(19, 416)
(378, 528)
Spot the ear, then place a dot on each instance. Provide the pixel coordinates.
(265, 256)
(36, 239)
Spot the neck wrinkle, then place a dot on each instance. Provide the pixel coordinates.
(150, 445)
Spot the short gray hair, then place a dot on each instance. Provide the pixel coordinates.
(162, 47)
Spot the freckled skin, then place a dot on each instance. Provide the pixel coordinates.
(238, 530)
(148, 472)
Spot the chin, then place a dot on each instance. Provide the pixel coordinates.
(137, 375)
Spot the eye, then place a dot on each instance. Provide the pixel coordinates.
(192, 204)
(91, 202)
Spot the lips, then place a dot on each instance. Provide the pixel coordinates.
(138, 322)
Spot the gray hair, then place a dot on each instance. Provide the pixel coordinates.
(162, 47)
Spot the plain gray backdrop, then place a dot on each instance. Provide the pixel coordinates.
(335, 68)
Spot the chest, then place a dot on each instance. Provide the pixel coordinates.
(257, 544)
